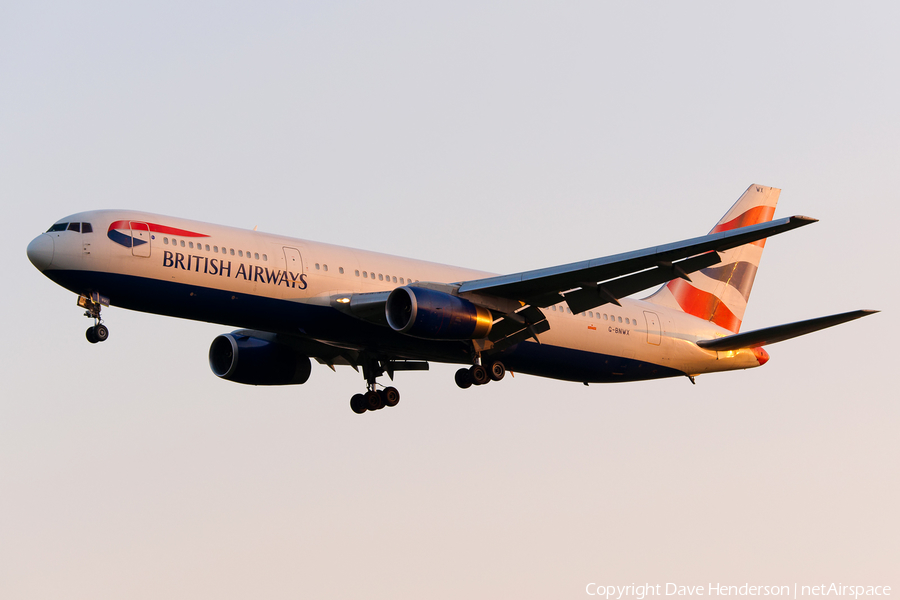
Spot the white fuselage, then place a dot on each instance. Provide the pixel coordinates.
(285, 285)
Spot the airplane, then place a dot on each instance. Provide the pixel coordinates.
(296, 300)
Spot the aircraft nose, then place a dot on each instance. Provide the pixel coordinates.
(40, 251)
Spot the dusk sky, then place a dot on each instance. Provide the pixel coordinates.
(501, 136)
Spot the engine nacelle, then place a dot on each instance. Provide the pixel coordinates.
(434, 315)
(255, 361)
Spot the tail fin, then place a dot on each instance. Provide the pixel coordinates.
(720, 293)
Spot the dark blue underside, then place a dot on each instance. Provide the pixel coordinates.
(325, 323)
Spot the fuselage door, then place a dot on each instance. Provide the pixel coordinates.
(140, 239)
(654, 334)
(292, 261)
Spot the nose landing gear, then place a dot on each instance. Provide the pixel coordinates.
(92, 306)
(97, 333)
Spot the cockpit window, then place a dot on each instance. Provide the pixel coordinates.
(75, 227)
(58, 227)
(86, 228)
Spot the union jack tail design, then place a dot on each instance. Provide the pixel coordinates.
(720, 293)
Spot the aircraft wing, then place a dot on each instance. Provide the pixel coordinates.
(515, 300)
(590, 283)
(779, 333)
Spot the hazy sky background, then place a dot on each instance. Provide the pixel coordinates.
(502, 136)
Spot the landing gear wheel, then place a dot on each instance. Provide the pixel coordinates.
(463, 378)
(391, 396)
(498, 370)
(89, 334)
(479, 375)
(101, 333)
(358, 404)
(374, 401)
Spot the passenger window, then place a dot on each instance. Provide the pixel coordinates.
(215, 249)
(591, 314)
(325, 268)
(380, 277)
(620, 319)
(166, 241)
(240, 252)
(207, 247)
(605, 317)
(256, 255)
(401, 281)
(86, 228)
(182, 243)
(232, 251)
(341, 270)
(191, 244)
(317, 266)
(265, 257)
(553, 308)
(627, 322)
(365, 274)
(395, 279)
(357, 272)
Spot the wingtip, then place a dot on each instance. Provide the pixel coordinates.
(804, 219)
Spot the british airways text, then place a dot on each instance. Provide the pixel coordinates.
(215, 266)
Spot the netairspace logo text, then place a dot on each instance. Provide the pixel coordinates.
(641, 592)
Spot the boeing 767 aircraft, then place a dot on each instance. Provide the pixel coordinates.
(295, 300)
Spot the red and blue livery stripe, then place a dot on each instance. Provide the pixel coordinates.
(120, 232)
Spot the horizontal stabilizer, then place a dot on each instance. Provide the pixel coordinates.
(779, 333)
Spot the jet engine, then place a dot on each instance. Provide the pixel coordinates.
(255, 361)
(435, 315)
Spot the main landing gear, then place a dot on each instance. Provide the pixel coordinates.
(99, 332)
(480, 375)
(373, 399)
